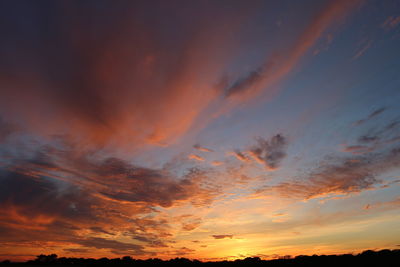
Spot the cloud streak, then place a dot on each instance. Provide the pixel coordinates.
(222, 236)
(196, 157)
(203, 149)
(372, 115)
(279, 65)
(391, 22)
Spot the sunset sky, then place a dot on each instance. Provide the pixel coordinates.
(202, 129)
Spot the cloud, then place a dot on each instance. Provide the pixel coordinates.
(244, 83)
(279, 214)
(357, 149)
(375, 139)
(191, 225)
(196, 157)
(153, 241)
(222, 236)
(362, 50)
(367, 139)
(376, 112)
(70, 196)
(77, 250)
(374, 155)
(119, 81)
(270, 152)
(372, 115)
(391, 22)
(183, 251)
(240, 155)
(41, 200)
(394, 203)
(339, 176)
(34, 210)
(217, 163)
(203, 149)
(279, 65)
(157, 186)
(6, 129)
(115, 179)
(100, 243)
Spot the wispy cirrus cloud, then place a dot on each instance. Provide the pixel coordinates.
(391, 22)
(375, 139)
(361, 51)
(279, 65)
(372, 115)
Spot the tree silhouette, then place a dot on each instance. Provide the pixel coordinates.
(382, 258)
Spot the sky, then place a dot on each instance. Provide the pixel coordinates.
(209, 130)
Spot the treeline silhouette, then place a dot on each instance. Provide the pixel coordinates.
(382, 258)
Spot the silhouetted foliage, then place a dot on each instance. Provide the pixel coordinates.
(380, 258)
(46, 259)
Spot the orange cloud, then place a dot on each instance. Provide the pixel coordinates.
(196, 157)
(79, 201)
(125, 87)
(240, 156)
(191, 223)
(203, 149)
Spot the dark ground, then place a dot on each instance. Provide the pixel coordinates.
(367, 258)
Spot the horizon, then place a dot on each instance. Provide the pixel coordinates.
(199, 129)
(52, 258)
